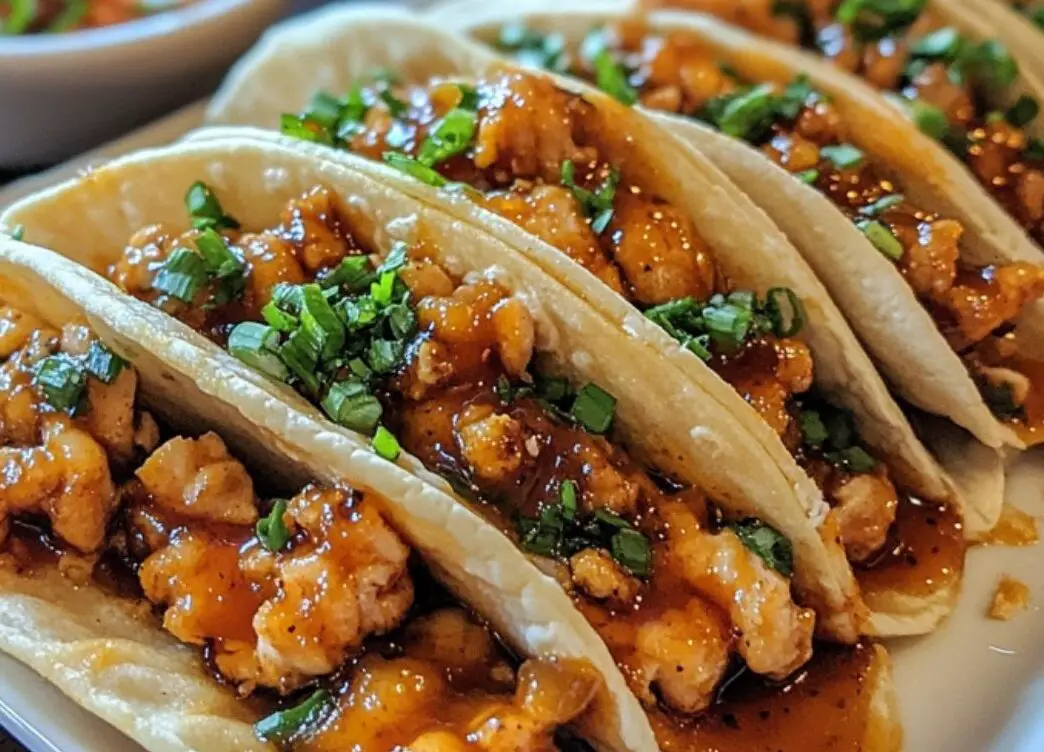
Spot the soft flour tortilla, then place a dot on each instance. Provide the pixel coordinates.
(290, 65)
(877, 301)
(680, 428)
(109, 658)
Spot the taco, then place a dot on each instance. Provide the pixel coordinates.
(652, 225)
(370, 312)
(148, 574)
(962, 77)
(940, 316)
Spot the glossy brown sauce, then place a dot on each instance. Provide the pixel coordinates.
(826, 707)
(924, 553)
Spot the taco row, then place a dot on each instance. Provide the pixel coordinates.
(604, 397)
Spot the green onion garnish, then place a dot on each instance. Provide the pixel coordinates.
(300, 353)
(257, 345)
(1023, 112)
(205, 209)
(410, 166)
(384, 354)
(567, 496)
(768, 543)
(929, 119)
(62, 382)
(746, 114)
(632, 550)
(942, 43)
(320, 322)
(881, 238)
(727, 323)
(593, 408)
(612, 79)
(221, 262)
(182, 275)
(303, 128)
(808, 177)
(844, 156)
(355, 274)
(18, 232)
(385, 444)
(787, 318)
(350, 404)
(272, 530)
(102, 363)
(450, 137)
(858, 460)
(882, 205)
(598, 204)
(283, 725)
(813, 431)
(20, 17)
(70, 17)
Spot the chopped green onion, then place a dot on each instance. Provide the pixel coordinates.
(385, 444)
(858, 460)
(612, 79)
(942, 43)
(355, 274)
(795, 96)
(221, 262)
(70, 17)
(611, 519)
(62, 382)
(272, 530)
(304, 128)
(182, 275)
(450, 137)
(385, 354)
(552, 389)
(103, 364)
(20, 17)
(285, 724)
(325, 109)
(567, 495)
(396, 258)
(594, 408)
(882, 205)
(1034, 149)
(300, 353)
(989, 63)
(205, 210)
(350, 404)
(727, 323)
(881, 238)
(395, 106)
(320, 321)
(870, 20)
(813, 431)
(413, 168)
(929, 119)
(257, 345)
(401, 320)
(746, 114)
(598, 204)
(808, 177)
(503, 388)
(279, 319)
(779, 314)
(632, 550)
(768, 543)
(844, 156)
(1023, 111)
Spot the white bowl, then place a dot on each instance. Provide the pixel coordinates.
(63, 93)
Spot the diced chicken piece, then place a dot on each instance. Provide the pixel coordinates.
(16, 327)
(347, 580)
(604, 486)
(598, 575)
(515, 335)
(552, 213)
(865, 510)
(775, 634)
(198, 478)
(527, 127)
(313, 224)
(683, 654)
(491, 443)
(67, 479)
(269, 260)
(657, 247)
